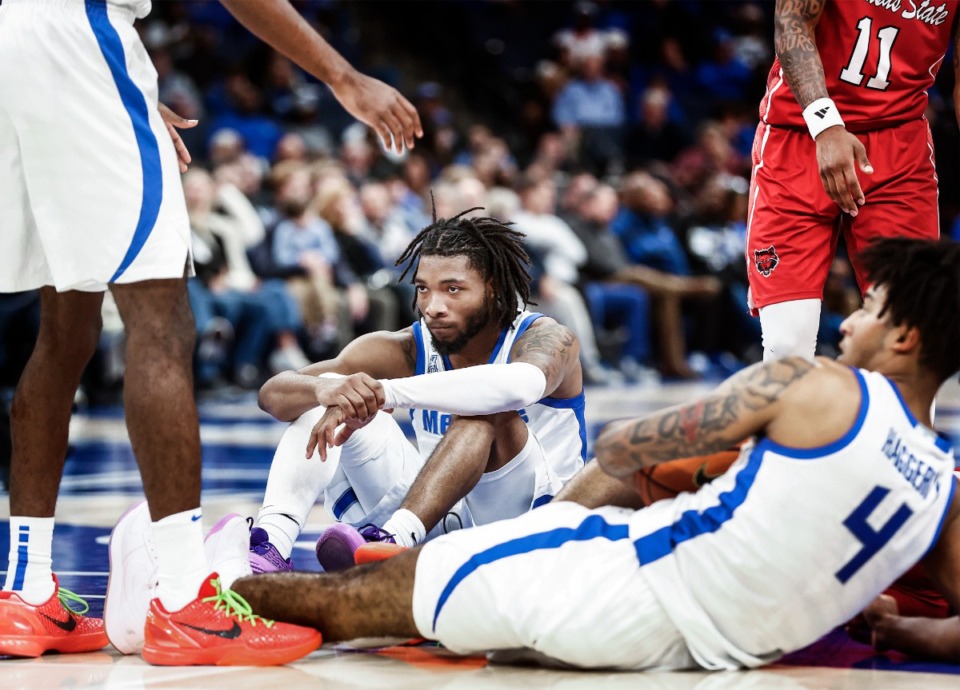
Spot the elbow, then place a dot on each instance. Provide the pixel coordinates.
(269, 401)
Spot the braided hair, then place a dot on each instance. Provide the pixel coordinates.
(491, 246)
(922, 280)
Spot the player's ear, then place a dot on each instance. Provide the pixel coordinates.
(907, 339)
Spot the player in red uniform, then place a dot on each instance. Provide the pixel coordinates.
(848, 90)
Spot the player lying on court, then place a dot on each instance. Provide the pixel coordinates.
(474, 359)
(841, 489)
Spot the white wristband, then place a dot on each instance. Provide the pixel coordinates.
(820, 115)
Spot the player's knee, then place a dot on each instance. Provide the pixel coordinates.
(72, 347)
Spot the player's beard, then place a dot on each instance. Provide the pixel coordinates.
(476, 322)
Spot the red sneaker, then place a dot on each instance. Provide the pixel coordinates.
(375, 551)
(219, 629)
(28, 630)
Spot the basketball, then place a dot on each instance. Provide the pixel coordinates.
(668, 479)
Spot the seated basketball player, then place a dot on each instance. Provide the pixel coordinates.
(464, 371)
(843, 487)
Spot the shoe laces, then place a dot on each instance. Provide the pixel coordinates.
(371, 533)
(234, 605)
(67, 597)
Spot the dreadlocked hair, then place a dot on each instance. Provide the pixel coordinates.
(922, 280)
(491, 246)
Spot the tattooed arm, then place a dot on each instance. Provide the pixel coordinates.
(555, 351)
(795, 21)
(740, 407)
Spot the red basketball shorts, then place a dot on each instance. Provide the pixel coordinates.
(793, 226)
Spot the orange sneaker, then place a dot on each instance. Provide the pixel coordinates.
(219, 629)
(28, 630)
(374, 551)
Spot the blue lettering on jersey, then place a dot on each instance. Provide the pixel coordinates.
(436, 423)
(918, 474)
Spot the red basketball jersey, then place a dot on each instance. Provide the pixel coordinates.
(879, 58)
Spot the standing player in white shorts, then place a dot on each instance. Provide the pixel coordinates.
(844, 487)
(495, 396)
(90, 199)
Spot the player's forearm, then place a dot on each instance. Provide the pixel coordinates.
(741, 407)
(278, 24)
(796, 46)
(469, 392)
(930, 638)
(289, 394)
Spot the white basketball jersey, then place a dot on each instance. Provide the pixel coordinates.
(558, 423)
(790, 543)
(140, 8)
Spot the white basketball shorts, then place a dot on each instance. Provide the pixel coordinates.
(561, 580)
(90, 190)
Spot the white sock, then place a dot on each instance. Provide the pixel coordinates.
(790, 328)
(182, 566)
(29, 567)
(406, 528)
(294, 483)
(282, 529)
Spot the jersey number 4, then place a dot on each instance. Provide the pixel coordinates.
(853, 72)
(871, 539)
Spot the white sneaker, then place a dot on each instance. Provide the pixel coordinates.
(227, 546)
(133, 579)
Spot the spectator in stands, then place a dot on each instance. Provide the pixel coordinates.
(337, 204)
(303, 245)
(263, 316)
(558, 252)
(591, 114)
(597, 212)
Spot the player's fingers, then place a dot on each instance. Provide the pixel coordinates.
(171, 118)
(395, 128)
(347, 406)
(384, 132)
(835, 193)
(830, 187)
(343, 435)
(862, 160)
(376, 388)
(852, 186)
(842, 181)
(411, 121)
(312, 442)
(183, 154)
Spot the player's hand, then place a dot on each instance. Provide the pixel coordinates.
(381, 107)
(838, 154)
(332, 429)
(323, 434)
(870, 626)
(359, 396)
(174, 122)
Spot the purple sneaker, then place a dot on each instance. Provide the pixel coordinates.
(338, 543)
(264, 557)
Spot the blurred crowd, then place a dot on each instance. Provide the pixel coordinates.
(616, 136)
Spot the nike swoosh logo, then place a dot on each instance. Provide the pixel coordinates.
(701, 478)
(68, 625)
(231, 634)
(194, 518)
